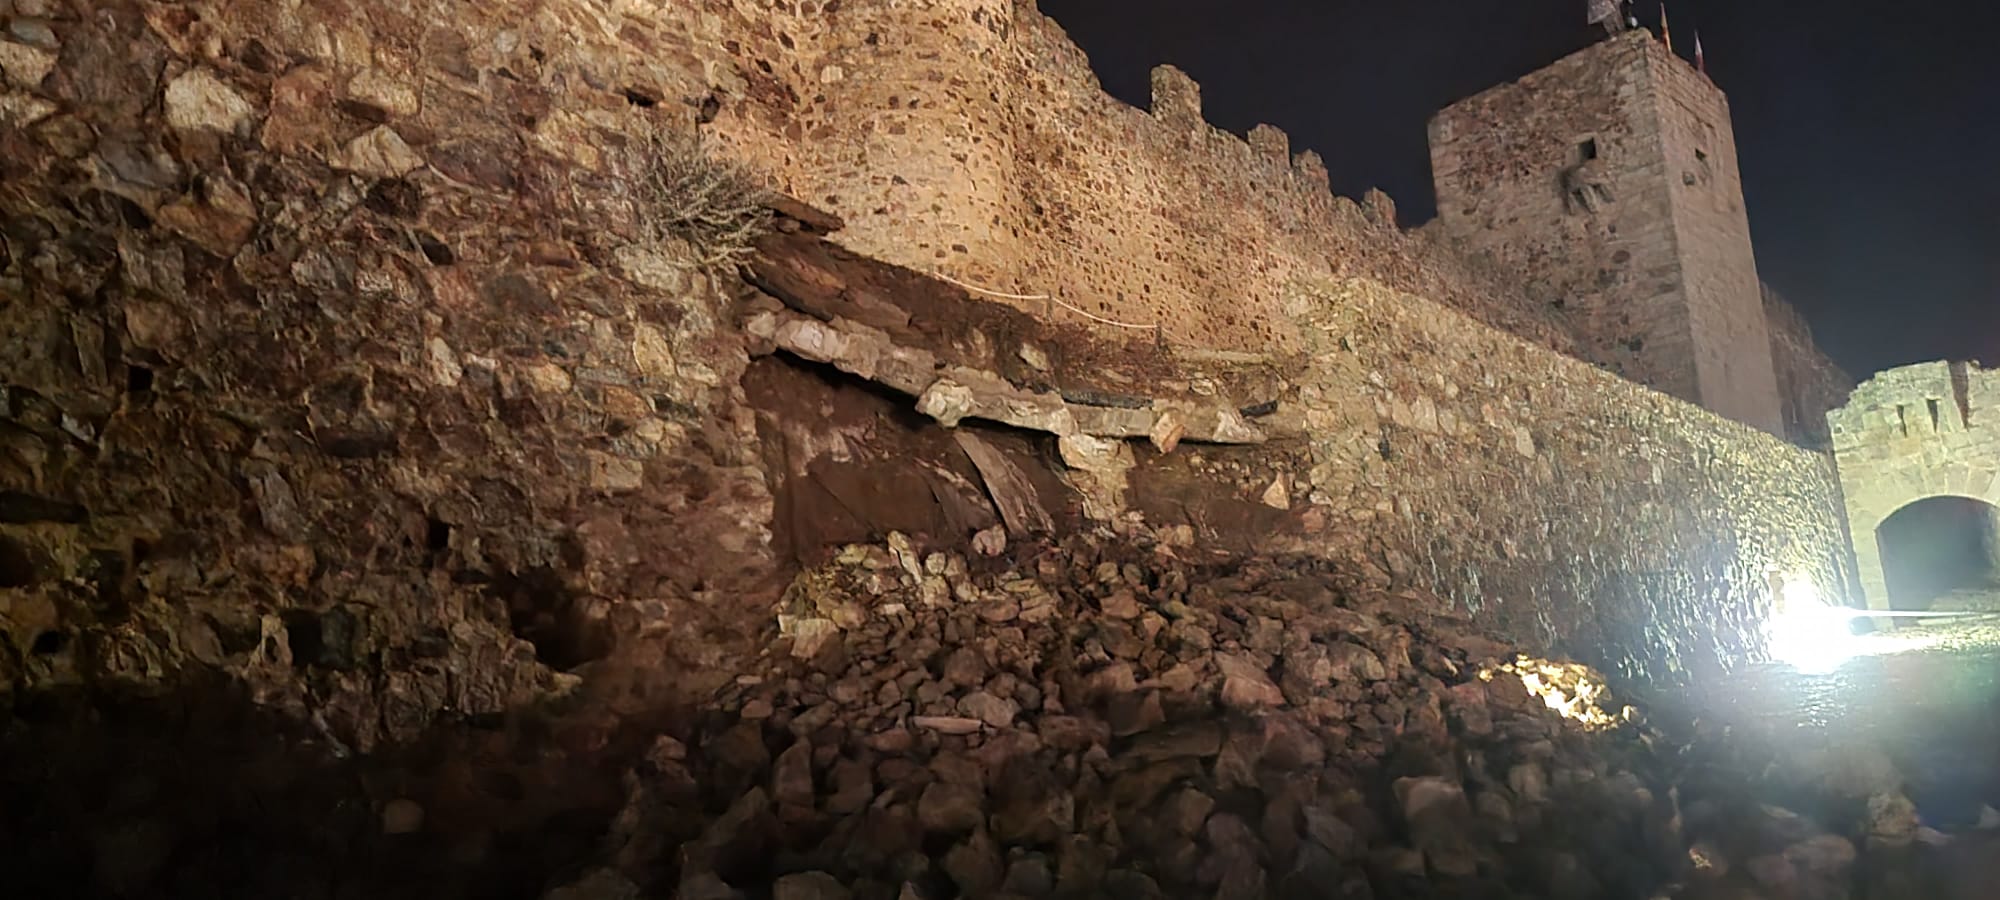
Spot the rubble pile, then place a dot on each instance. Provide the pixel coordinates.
(1109, 720)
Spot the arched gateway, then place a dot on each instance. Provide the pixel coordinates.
(1919, 455)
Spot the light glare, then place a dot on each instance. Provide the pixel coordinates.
(1805, 632)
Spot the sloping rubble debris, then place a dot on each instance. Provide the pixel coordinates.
(1098, 722)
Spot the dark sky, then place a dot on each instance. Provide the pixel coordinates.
(1869, 130)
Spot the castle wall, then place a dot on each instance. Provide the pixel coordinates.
(1809, 383)
(1156, 216)
(1558, 501)
(1908, 434)
(954, 139)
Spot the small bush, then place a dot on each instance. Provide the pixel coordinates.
(715, 205)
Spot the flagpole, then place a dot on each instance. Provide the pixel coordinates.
(1666, 33)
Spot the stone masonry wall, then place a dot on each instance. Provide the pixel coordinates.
(1609, 180)
(970, 138)
(1557, 500)
(374, 287)
(1809, 383)
(1908, 434)
(338, 356)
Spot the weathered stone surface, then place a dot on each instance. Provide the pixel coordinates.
(809, 886)
(951, 808)
(349, 372)
(198, 100)
(1908, 435)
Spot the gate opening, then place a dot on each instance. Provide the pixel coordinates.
(1942, 554)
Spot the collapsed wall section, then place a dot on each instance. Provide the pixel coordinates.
(969, 138)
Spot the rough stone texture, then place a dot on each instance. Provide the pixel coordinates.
(1609, 180)
(323, 370)
(1465, 770)
(562, 416)
(1809, 384)
(1909, 434)
(970, 137)
(1563, 504)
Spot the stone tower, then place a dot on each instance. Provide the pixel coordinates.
(1609, 182)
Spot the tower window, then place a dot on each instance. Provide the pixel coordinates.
(1586, 150)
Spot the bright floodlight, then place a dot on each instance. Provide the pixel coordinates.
(1806, 633)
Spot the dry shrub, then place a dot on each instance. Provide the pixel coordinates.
(715, 205)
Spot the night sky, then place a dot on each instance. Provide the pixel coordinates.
(1869, 131)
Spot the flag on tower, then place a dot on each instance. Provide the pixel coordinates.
(1700, 61)
(1602, 11)
(1666, 34)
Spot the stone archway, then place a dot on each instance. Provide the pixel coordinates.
(1939, 549)
(1909, 435)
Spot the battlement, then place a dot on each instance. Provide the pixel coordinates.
(971, 138)
(1918, 403)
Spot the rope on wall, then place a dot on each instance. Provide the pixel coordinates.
(1044, 298)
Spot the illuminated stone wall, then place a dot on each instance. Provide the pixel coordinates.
(971, 139)
(1928, 430)
(402, 247)
(1552, 499)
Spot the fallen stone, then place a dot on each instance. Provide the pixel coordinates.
(951, 808)
(1186, 811)
(974, 865)
(947, 724)
(402, 816)
(199, 101)
(989, 709)
(1246, 686)
(991, 541)
(378, 153)
(1121, 604)
(792, 776)
(808, 886)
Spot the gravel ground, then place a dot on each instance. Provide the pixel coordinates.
(1927, 695)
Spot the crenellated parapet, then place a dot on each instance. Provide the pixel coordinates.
(970, 138)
